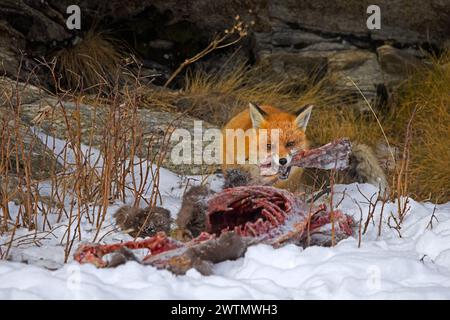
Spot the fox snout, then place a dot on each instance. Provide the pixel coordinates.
(281, 159)
(282, 162)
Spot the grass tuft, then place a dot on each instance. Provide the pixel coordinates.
(427, 94)
(91, 62)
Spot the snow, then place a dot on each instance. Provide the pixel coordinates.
(410, 263)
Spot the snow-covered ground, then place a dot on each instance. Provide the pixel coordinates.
(410, 263)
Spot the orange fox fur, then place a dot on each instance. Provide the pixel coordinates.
(364, 166)
(292, 138)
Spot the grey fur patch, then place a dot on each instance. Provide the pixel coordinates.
(192, 214)
(236, 178)
(143, 222)
(364, 168)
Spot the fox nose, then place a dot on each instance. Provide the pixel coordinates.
(282, 161)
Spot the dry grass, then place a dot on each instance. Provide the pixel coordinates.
(328, 124)
(91, 62)
(217, 97)
(418, 126)
(427, 94)
(87, 182)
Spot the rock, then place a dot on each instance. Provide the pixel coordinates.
(185, 27)
(306, 60)
(37, 21)
(337, 60)
(307, 36)
(11, 89)
(11, 42)
(94, 124)
(296, 66)
(9, 62)
(372, 72)
(161, 44)
(42, 161)
(404, 21)
(397, 65)
(355, 69)
(296, 37)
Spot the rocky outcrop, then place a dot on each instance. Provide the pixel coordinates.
(358, 74)
(27, 153)
(95, 124)
(14, 93)
(11, 42)
(397, 65)
(162, 24)
(405, 21)
(17, 137)
(297, 38)
(356, 71)
(37, 21)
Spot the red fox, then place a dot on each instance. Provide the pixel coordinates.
(291, 138)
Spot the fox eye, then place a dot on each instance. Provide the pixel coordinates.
(269, 146)
(290, 144)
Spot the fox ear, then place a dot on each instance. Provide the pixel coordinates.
(303, 117)
(256, 115)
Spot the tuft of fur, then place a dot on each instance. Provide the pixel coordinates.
(143, 222)
(122, 256)
(236, 178)
(364, 167)
(192, 215)
(228, 246)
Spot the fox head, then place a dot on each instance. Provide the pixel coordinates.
(292, 127)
